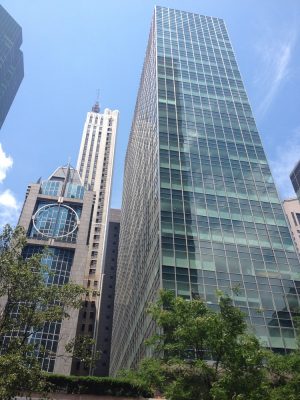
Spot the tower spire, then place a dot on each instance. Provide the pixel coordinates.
(96, 107)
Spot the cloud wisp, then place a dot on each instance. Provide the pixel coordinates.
(286, 157)
(9, 207)
(6, 163)
(275, 65)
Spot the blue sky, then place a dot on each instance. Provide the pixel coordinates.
(72, 48)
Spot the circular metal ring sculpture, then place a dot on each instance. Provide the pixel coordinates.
(54, 221)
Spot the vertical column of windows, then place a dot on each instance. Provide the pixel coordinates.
(91, 151)
(95, 167)
(82, 163)
(103, 181)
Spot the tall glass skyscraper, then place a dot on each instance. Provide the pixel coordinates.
(11, 61)
(200, 209)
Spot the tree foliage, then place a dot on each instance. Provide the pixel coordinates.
(202, 354)
(27, 303)
(82, 348)
(99, 386)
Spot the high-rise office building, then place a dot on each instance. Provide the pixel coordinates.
(200, 211)
(11, 61)
(57, 213)
(108, 292)
(95, 166)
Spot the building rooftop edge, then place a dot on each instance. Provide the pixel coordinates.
(290, 199)
(187, 12)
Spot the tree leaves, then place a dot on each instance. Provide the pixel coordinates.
(27, 303)
(201, 354)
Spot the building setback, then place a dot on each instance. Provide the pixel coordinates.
(95, 166)
(11, 61)
(57, 213)
(200, 211)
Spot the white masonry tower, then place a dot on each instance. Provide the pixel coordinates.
(95, 166)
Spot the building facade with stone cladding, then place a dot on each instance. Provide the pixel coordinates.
(57, 213)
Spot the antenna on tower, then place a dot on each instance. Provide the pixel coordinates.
(96, 107)
(67, 178)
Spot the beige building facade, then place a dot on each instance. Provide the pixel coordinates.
(57, 214)
(292, 211)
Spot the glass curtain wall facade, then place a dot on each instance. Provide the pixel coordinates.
(295, 179)
(59, 262)
(138, 279)
(11, 61)
(221, 223)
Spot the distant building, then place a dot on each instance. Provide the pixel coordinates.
(200, 211)
(95, 166)
(295, 178)
(292, 211)
(108, 293)
(57, 214)
(11, 61)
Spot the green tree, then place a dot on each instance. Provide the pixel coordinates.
(202, 354)
(284, 374)
(27, 303)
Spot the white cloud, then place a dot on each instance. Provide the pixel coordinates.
(9, 206)
(286, 157)
(6, 162)
(275, 65)
(7, 199)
